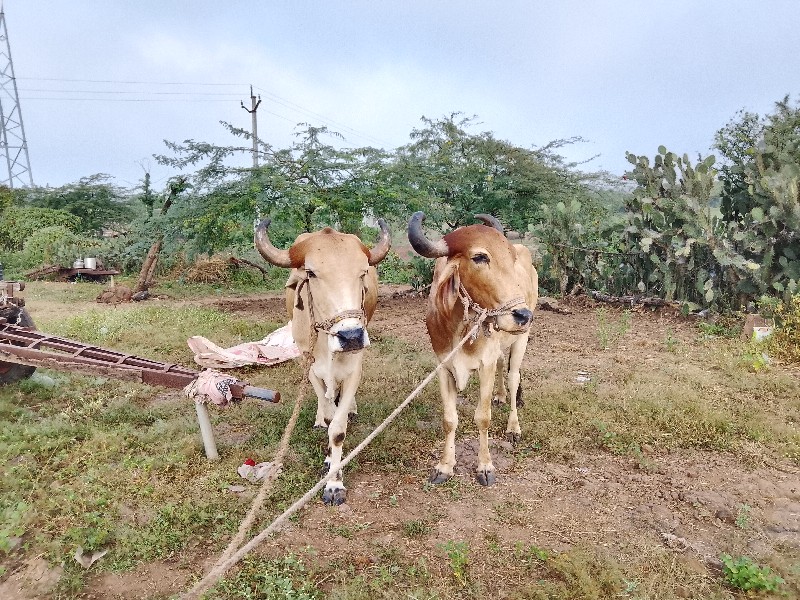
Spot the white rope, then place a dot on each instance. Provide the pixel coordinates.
(223, 566)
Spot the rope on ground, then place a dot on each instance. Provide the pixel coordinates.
(222, 567)
(272, 475)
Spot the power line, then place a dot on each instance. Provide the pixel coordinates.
(228, 94)
(127, 82)
(270, 96)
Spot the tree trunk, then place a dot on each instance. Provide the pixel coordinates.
(148, 267)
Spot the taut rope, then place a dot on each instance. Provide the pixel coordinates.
(223, 565)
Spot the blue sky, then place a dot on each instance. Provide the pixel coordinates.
(102, 83)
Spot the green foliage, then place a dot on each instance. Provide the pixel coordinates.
(455, 174)
(761, 196)
(12, 524)
(744, 574)
(581, 243)
(260, 579)
(784, 343)
(18, 223)
(55, 245)
(611, 331)
(458, 553)
(92, 200)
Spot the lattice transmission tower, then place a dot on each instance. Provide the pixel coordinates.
(13, 145)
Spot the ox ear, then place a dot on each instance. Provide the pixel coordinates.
(291, 284)
(447, 283)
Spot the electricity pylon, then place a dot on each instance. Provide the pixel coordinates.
(13, 145)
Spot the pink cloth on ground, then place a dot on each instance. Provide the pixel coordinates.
(276, 348)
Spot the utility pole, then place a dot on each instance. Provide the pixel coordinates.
(13, 145)
(252, 110)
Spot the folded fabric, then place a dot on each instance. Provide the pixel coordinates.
(276, 348)
(211, 386)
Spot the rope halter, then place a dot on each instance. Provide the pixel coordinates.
(484, 315)
(325, 326)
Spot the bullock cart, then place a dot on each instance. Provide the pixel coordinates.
(23, 349)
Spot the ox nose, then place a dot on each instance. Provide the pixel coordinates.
(522, 316)
(351, 339)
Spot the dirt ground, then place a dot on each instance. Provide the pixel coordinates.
(687, 508)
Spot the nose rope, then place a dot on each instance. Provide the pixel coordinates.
(483, 314)
(325, 326)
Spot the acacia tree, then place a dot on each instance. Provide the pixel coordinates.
(456, 173)
(308, 185)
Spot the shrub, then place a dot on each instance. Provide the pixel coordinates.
(744, 574)
(784, 343)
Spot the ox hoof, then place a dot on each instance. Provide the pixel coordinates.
(320, 427)
(520, 402)
(324, 470)
(352, 417)
(334, 497)
(438, 477)
(486, 477)
(513, 437)
(498, 401)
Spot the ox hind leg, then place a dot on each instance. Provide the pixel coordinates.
(501, 396)
(517, 352)
(335, 492)
(447, 387)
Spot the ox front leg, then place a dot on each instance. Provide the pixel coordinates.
(325, 404)
(335, 493)
(483, 417)
(447, 388)
(513, 430)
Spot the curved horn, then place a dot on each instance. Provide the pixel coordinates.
(381, 248)
(271, 254)
(422, 245)
(491, 221)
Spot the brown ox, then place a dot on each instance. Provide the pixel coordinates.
(330, 297)
(477, 269)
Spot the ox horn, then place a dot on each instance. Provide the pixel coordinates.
(490, 221)
(271, 254)
(381, 248)
(422, 245)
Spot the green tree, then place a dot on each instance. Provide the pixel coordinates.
(18, 223)
(93, 200)
(303, 187)
(761, 196)
(456, 174)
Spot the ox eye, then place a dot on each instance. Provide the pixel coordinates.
(310, 274)
(479, 259)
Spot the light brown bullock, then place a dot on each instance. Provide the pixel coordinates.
(330, 297)
(477, 270)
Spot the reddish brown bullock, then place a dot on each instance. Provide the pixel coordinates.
(330, 295)
(477, 270)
